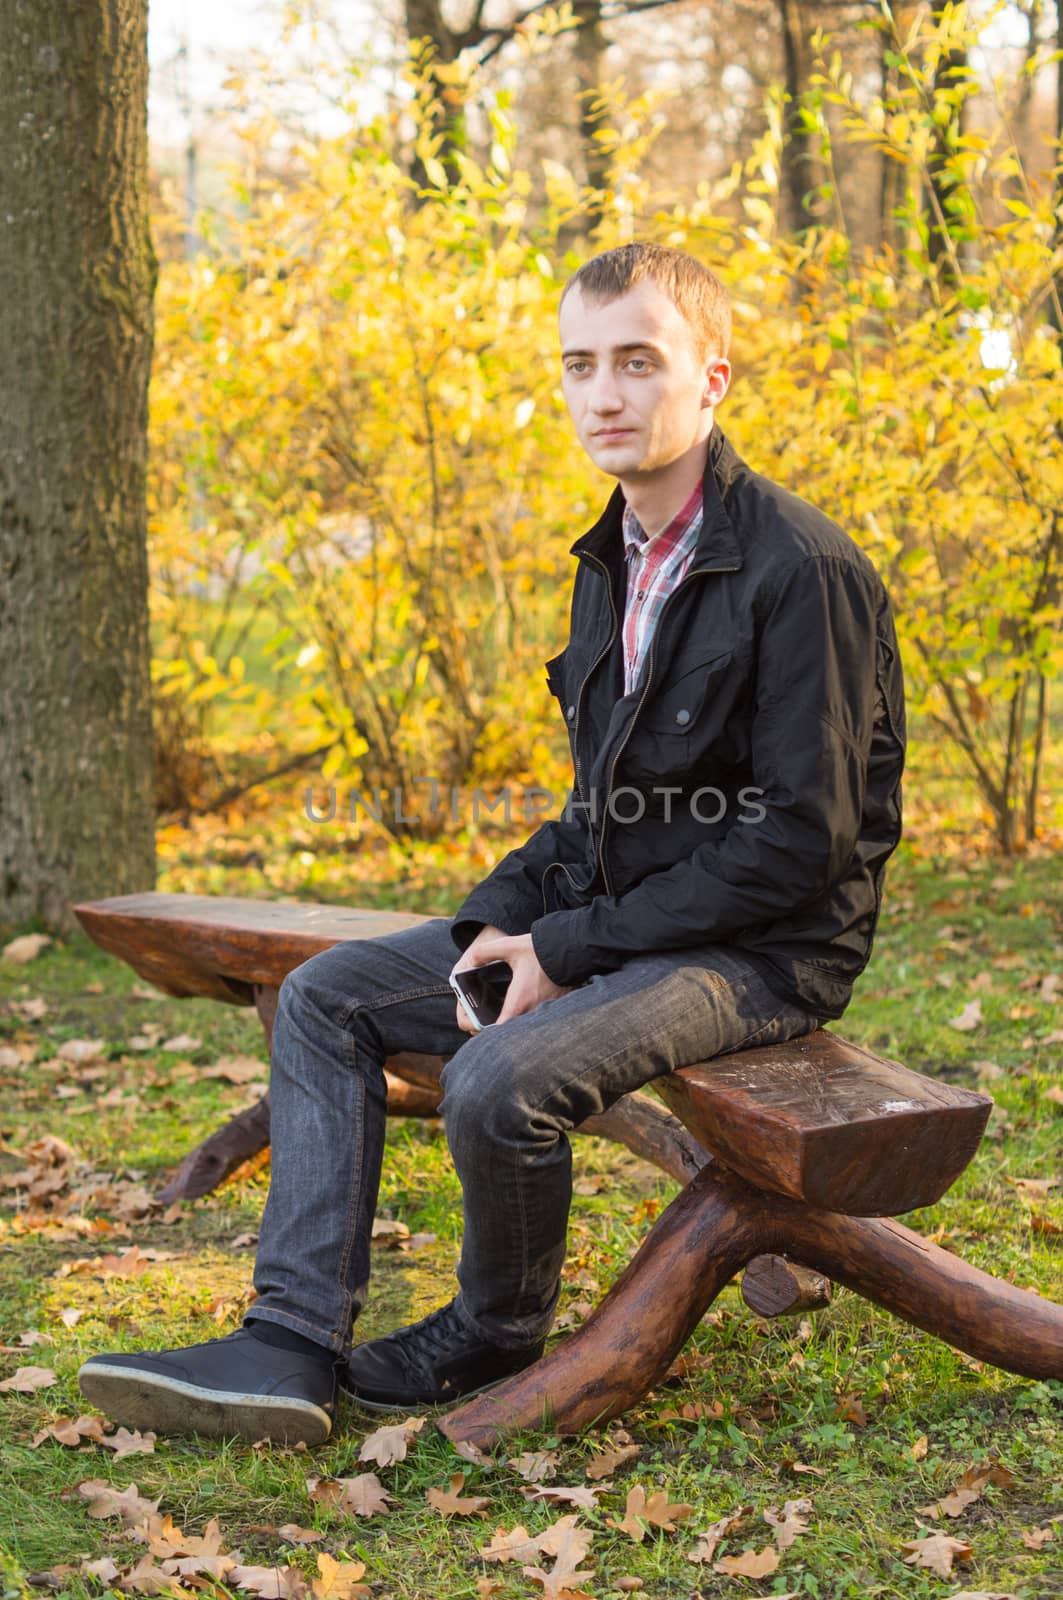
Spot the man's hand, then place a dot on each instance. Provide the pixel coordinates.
(530, 985)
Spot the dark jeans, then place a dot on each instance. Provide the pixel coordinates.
(511, 1095)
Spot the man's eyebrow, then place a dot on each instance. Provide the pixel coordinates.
(618, 349)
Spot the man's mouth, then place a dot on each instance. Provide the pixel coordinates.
(613, 433)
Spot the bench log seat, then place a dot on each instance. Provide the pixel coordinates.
(795, 1159)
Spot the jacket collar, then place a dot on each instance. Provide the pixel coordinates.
(717, 545)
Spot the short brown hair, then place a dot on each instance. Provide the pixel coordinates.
(697, 294)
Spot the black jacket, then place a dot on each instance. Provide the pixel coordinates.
(774, 687)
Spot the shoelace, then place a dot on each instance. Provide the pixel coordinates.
(430, 1337)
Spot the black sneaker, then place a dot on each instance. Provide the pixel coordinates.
(433, 1362)
(232, 1386)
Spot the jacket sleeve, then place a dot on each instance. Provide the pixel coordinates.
(511, 896)
(814, 712)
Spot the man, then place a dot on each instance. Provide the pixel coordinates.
(733, 694)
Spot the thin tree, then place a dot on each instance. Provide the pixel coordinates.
(78, 274)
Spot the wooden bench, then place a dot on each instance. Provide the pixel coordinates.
(794, 1157)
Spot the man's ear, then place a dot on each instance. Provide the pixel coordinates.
(717, 380)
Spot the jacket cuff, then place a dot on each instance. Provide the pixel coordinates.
(560, 943)
(480, 911)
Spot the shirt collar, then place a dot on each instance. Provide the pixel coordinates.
(637, 539)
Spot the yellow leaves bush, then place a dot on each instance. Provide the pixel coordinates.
(364, 487)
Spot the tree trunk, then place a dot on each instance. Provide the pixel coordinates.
(425, 22)
(590, 46)
(78, 271)
(798, 156)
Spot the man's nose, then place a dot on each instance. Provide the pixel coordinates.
(605, 393)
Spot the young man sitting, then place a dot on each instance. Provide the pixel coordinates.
(733, 695)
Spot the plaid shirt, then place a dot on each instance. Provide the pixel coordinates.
(654, 567)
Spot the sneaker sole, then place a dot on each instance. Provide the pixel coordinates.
(149, 1400)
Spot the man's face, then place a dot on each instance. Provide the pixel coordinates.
(635, 388)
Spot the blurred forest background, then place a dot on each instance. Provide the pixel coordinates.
(362, 487)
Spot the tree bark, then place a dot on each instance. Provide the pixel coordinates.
(78, 270)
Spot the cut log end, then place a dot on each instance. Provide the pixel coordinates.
(775, 1287)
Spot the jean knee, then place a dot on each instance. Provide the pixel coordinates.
(491, 1097)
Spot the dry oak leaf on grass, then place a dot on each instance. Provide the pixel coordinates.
(568, 1544)
(128, 1503)
(388, 1445)
(642, 1512)
(126, 1265)
(27, 1380)
(70, 1431)
(451, 1503)
(705, 1548)
(606, 1462)
(792, 1521)
(937, 1553)
(270, 1583)
(969, 1489)
(578, 1496)
(338, 1580)
(25, 948)
(1037, 1538)
(363, 1496)
(535, 1466)
(750, 1564)
(149, 1578)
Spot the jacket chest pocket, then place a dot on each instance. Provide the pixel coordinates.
(682, 720)
(563, 685)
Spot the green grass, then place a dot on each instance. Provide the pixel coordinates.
(946, 919)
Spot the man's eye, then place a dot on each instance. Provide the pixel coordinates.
(576, 367)
(639, 364)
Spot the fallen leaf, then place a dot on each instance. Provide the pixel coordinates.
(104, 1569)
(750, 1564)
(936, 1553)
(587, 1498)
(78, 1050)
(956, 1503)
(27, 1380)
(516, 1545)
(470, 1452)
(850, 1408)
(980, 1594)
(181, 1041)
(70, 1431)
(270, 1583)
(128, 1504)
(1034, 1188)
(970, 1017)
(569, 1545)
(291, 1533)
(25, 948)
(656, 1511)
(920, 1447)
(606, 1462)
(338, 1580)
(386, 1228)
(535, 1466)
(148, 1578)
(363, 1496)
(125, 1443)
(1055, 1094)
(485, 1587)
(792, 1522)
(70, 1316)
(234, 1069)
(389, 1444)
(1036, 1538)
(450, 1503)
(802, 1466)
(705, 1548)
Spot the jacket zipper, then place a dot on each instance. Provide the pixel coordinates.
(698, 572)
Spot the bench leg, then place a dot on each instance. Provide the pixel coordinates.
(711, 1230)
